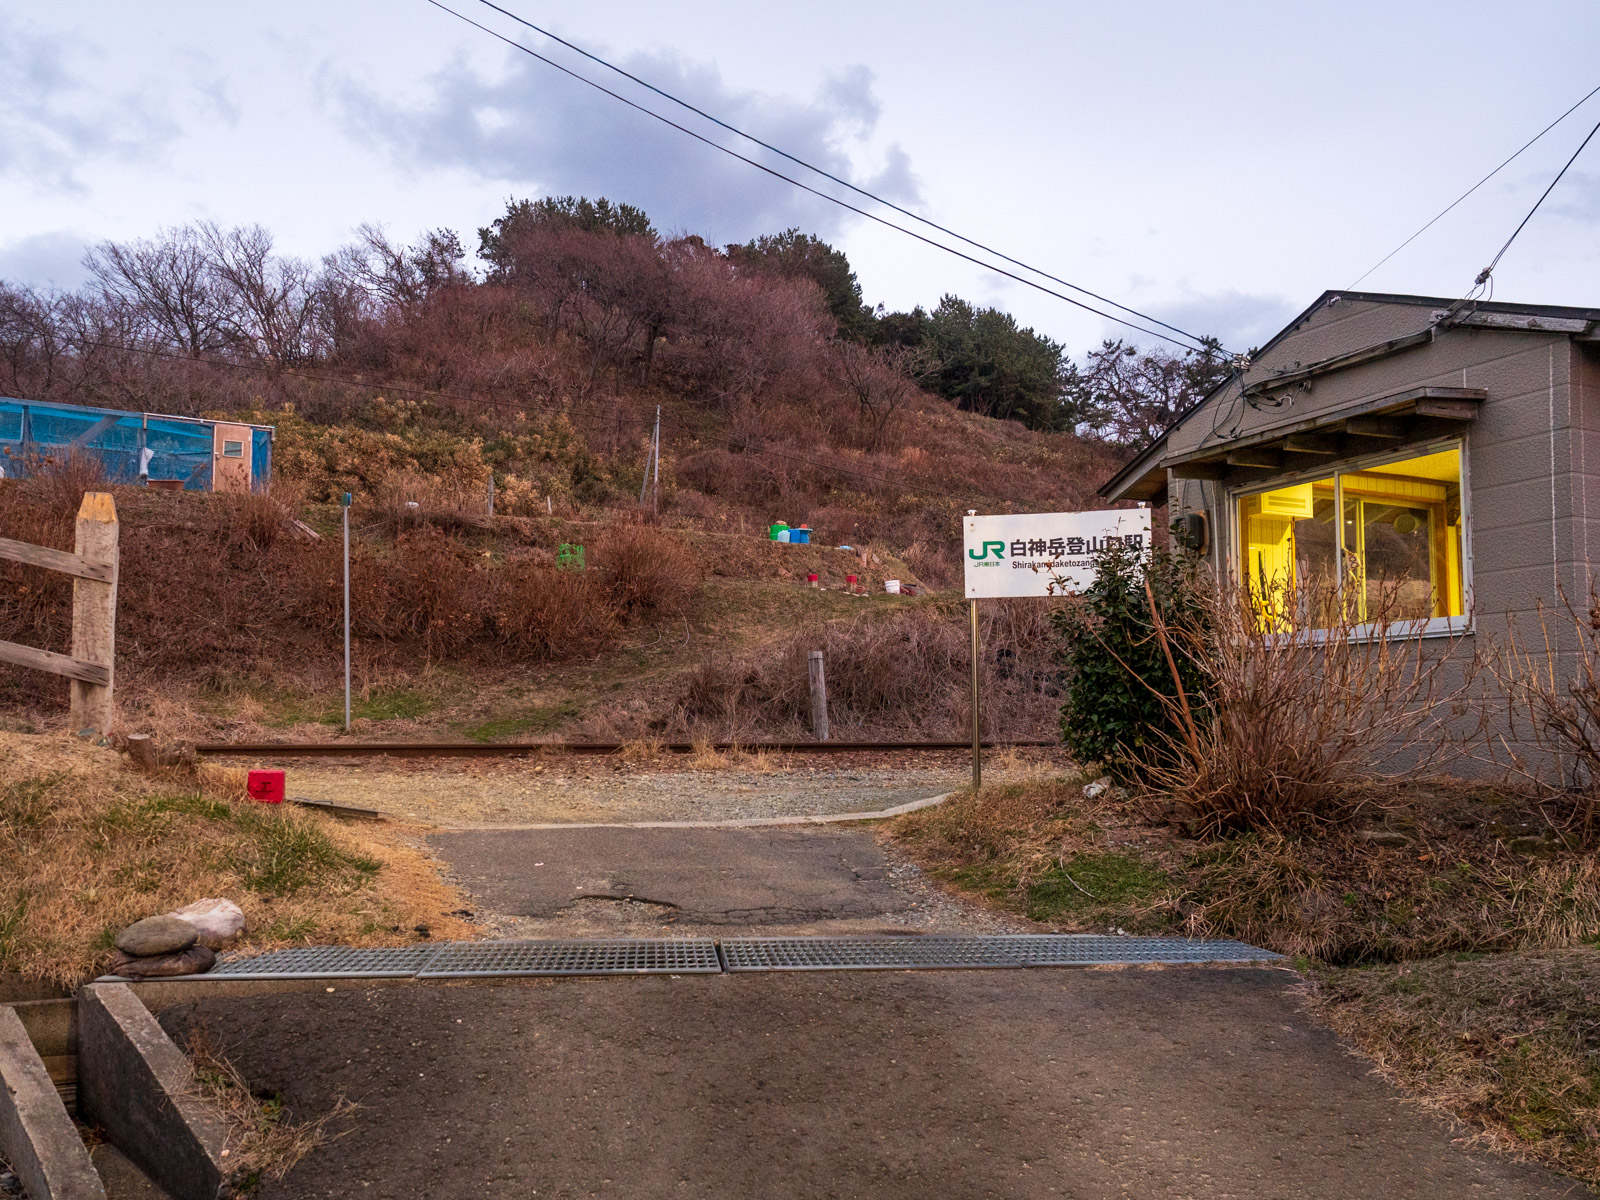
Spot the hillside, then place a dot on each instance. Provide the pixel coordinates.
(394, 374)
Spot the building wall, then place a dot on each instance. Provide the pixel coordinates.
(1532, 461)
(1532, 454)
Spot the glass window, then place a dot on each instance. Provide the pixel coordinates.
(232, 449)
(1394, 554)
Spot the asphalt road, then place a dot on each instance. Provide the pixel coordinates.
(1183, 1084)
(713, 877)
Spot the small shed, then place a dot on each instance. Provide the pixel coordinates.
(156, 449)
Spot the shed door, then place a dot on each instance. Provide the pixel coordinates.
(230, 458)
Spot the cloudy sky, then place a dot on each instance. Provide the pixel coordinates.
(1215, 164)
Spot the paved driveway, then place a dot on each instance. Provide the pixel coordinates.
(1183, 1084)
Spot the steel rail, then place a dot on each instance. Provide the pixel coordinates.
(506, 749)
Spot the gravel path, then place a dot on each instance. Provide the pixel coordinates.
(467, 794)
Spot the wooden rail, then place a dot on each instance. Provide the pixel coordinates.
(93, 566)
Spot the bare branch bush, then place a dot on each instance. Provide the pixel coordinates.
(1295, 720)
(1554, 711)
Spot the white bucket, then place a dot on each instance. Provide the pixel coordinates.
(892, 586)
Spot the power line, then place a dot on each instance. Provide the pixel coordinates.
(1472, 189)
(699, 137)
(1483, 275)
(860, 191)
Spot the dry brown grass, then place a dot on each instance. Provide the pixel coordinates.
(264, 1141)
(91, 846)
(1508, 1044)
(1476, 870)
(904, 672)
(1292, 721)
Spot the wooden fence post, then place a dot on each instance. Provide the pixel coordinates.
(94, 613)
(819, 695)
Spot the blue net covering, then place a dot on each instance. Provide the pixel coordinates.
(33, 433)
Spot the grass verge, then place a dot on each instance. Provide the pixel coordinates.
(89, 847)
(1509, 1043)
(1453, 940)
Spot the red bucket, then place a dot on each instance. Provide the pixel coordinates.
(265, 786)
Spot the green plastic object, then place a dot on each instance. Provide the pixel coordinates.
(776, 528)
(569, 557)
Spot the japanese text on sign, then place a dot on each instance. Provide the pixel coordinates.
(1045, 554)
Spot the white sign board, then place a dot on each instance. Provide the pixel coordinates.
(1044, 554)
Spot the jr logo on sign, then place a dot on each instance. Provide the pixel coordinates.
(998, 549)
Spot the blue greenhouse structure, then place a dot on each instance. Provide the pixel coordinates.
(158, 450)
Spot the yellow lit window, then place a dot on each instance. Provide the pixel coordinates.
(1393, 553)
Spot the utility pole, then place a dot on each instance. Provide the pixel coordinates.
(652, 461)
(345, 502)
(655, 492)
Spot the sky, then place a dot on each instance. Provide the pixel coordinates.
(1215, 165)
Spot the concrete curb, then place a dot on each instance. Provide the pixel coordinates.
(742, 823)
(139, 1087)
(36, 1134)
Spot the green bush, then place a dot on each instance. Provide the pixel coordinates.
(1119, 688)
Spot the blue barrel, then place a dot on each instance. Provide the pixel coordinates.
(802, 534)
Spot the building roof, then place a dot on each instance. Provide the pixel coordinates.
(1533, 318)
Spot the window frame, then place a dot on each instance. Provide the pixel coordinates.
(1429, 627)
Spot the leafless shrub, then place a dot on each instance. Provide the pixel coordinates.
(1554, 709)
(1291, 719)
(646, 569)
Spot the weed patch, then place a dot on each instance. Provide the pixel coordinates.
(1509, 1043)
(103, 846)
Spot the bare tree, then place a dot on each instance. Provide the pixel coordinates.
(880, 380)
(168, 287)
(30, 338)
(270, 299)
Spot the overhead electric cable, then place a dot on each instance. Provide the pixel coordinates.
(860, 191)
(699, 137)
(1473, 188)
(1483, 275)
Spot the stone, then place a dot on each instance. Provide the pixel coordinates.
(196, 960)
(157, 935)
(218, 922)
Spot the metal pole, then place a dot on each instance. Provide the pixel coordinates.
(977, 745)
(347, 612)
(655, 493)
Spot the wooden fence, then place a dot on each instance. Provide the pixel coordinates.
(91, 666)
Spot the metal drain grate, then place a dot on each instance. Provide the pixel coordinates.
(704, 956)
(1027, 950)
(865, 954)
(1071, 950)
(329, 962)
(621, 956)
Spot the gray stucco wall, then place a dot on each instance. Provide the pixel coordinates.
(1532, 455)
(1532, 460)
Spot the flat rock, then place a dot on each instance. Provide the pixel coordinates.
(157, 935)
(196, 960)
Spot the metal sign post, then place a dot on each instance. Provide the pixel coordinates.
(1036, 554)
(977, 744)
(345, 503)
